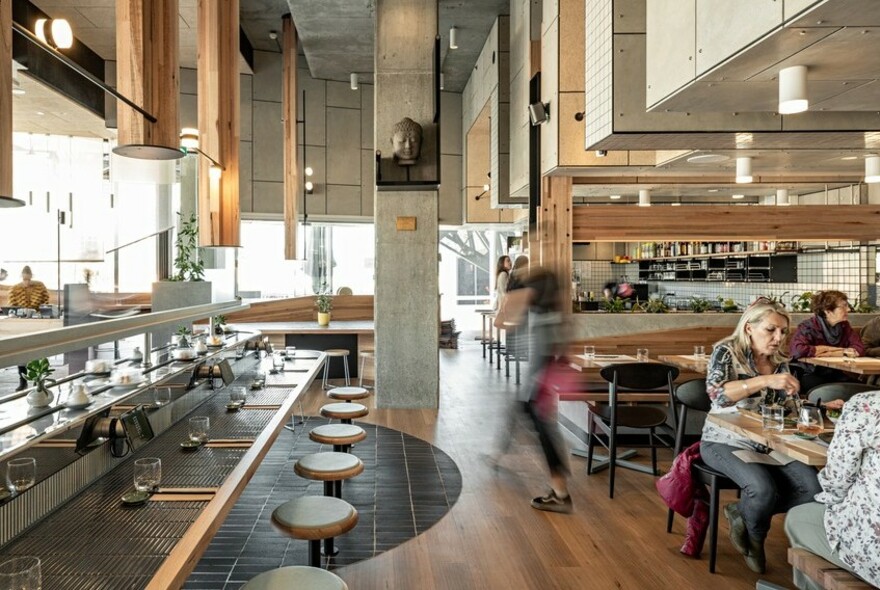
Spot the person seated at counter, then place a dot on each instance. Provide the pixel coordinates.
(843, 524)
(28, 293)
(827, 333)
(751, 362)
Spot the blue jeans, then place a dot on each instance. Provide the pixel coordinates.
(766, 489)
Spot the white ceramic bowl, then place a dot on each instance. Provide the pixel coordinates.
(183, 354)
(99, 366)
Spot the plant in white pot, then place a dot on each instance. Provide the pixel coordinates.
(38, 372)
(324, 302)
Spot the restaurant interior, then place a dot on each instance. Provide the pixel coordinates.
(429, 294)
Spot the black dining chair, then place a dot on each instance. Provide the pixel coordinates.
(606, 419)
(843, 390)
(691, 395)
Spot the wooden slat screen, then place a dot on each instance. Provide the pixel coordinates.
(719, 222)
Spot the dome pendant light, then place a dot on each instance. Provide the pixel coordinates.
(872, 169)
(644, 198)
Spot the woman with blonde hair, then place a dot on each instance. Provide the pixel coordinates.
(751, 363)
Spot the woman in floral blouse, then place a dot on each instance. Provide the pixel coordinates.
(843, 525)
(751, 364)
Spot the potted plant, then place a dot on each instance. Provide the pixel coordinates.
(219, 323)
(700, 305)
(616, 305)
(324, 302)
(656, 305)
(188, 263)
(186, 286)
(38, 372)
(728, 305)
(802, 302)
(181, 337)
(862, 305)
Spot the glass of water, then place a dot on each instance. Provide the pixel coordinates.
(699, 352)
(147, 474)
(162, 395)
(198, 428)
(21, 573)
(277, 363)
(773, 417)
(589, 352)
(642, 355)
(22, 473)
(238, 395)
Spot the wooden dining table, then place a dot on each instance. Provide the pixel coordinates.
(750, 425)
(862, 365)
(687, 362)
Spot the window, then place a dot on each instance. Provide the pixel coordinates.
(336, 255)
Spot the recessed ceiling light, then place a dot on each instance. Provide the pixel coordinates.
(849, 158)
(614, 197)
(41, 113)
(713, 190)
(708, 159)
(737, 196)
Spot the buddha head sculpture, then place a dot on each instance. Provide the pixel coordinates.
(406, 138)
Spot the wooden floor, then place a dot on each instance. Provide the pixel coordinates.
(492, 538)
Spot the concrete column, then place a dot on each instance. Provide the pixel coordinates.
(407, 292)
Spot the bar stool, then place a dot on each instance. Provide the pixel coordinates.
(296, 576)
(315, 518)
(365, 354)
(345, 411)
(331, 468)
(334, 353)
(348, 394)
(341, 436)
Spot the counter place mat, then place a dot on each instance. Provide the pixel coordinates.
(162, 497)
(260, 407)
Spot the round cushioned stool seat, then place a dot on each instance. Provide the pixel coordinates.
(336, 352)
(328, 466)
(296, 576)
(315, 517)
(337, 434)
(348, 393)
(344, 410)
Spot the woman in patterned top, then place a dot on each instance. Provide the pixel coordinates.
(843, 525)
(751, 363)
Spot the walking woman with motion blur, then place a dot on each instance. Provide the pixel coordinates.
(539, 297)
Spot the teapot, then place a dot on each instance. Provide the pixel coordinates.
(79, 395)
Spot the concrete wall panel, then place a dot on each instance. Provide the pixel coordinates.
(268, 197)
(340, 94)
(246, 124)
(343, 200)
(267, 76)
(343, 149)
(671, 47)
(268, 141)
(245, 176)
(450, 207)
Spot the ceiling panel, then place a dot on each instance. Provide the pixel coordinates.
(60, 115)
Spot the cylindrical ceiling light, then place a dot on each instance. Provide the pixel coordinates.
(737, 196)
(54, 32)
(354, 81)
(614, 197)
(872, 169)
(743, 170)
(782, 196)
(189, 138)
(644, 198)
(793, 90)
(453, 41)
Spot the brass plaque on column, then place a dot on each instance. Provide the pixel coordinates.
(406, 224)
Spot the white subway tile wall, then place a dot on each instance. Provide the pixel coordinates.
(852, 272)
